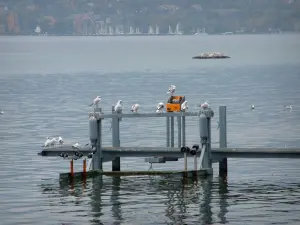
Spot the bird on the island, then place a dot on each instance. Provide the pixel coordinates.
(184, 106)
(159, 108)
(135, 108)
(60, 141)
(96, 101)
(47, 142)
(171, 90)
(118, 107)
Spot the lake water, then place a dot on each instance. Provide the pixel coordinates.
(46, 84)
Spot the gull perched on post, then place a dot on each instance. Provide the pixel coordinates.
(96, 101)
(118, 107)
(135, 108)
(159, 108)
(184, 106)
(205, 105)
(171, 90)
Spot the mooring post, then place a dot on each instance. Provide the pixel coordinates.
(172, 131)
(205, 135)
(223, 170)
(168, 130)
(116, 163)
(97, 158)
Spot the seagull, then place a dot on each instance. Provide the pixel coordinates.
(47, 142)
(172, 89)
(76, 146)
(96, 101)
(1, 112)
(60, 141)
(205, 105)
(118, 107)
(135, 108)
(252, 107)
(184, 106)
(53, 141)
(288, 107)
(159, 108)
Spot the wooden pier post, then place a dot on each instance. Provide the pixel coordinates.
(116, 163)
(223, 170)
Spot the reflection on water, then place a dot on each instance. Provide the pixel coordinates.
(171, 200)
(168, 200)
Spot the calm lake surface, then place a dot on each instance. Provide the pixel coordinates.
(47, 83)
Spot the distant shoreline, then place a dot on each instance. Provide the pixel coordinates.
(143, 35)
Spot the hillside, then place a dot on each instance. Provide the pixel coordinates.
(61, 17)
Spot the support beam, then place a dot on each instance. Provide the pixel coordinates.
(116, 163)
(179, 131)
(172, 132)
(223, 167)
(183, 131)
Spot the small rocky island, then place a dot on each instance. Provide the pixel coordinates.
(211, 55)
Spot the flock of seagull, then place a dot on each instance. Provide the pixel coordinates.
(118, 108)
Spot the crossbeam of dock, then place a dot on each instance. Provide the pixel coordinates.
(217, 153)
(142, 115)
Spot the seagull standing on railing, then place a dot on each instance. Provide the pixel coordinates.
(135, 108)
(118, 107)
(171, 90)
(53, 142)
(96, 101)
(60, 141)
(205, 105)
(160, 107)
(76, 146)
(184, 106)
(47, 142)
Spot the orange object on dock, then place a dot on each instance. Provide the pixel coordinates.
(174, 103)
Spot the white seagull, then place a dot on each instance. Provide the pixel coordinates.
(96, 101)
(172, 89)
(252, 107)
(288, 106)
(76, 146)
(118, 107)
(60, 141)
(184, 106)
(47, 142)
(53, 142)
(1, 112)
(135, 108)
(159, 108)
(204, 105)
